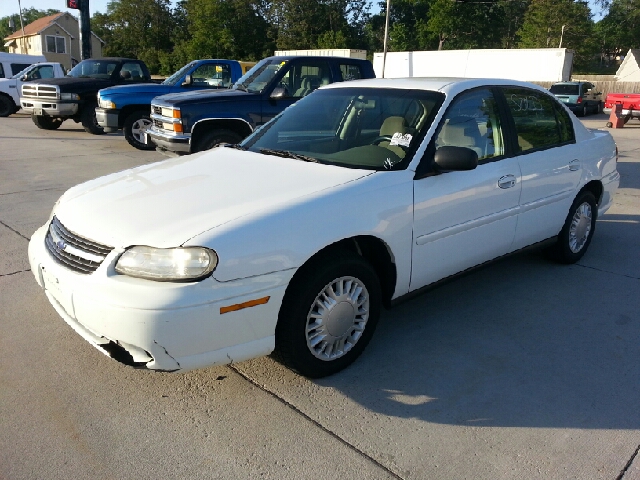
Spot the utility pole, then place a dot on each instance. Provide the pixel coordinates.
(85, 26)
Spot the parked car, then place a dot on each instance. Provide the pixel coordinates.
(357, 196)
(12, 63)
(127, 107)
(52, 101)
(580, 97)
(195, 121)
(630, 105)
(10, 87)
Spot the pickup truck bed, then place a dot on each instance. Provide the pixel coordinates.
(630, 104)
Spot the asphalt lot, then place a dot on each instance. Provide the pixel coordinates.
(524, 369)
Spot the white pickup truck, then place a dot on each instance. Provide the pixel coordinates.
(10, 87)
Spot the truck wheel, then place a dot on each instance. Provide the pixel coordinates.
(584, 111)
(7, 106)
(47, 123)
(600, 107)
(89, 120)
(210, 139)
(133, 130)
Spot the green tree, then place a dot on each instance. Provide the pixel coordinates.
(551, 23)
(619, 30)
(136, 28)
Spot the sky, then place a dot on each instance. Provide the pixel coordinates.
(9, 7)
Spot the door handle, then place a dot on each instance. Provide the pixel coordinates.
(574, 165)
(507, 181)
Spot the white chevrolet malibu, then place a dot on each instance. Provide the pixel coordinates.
(354, 198)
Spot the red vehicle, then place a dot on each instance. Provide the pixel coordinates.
(630, 104)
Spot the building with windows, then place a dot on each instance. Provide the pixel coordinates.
(57, 37)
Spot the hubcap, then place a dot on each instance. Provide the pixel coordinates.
(138, 127)
(337, 318)
(580, 227)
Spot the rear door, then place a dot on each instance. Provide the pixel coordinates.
(549, 161)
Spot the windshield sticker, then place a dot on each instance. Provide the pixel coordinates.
(400, 139)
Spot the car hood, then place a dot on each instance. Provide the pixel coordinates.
(138, 88)
(200, 96)
(77, 84)
(167, 203)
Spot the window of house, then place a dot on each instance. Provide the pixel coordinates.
(55, 44)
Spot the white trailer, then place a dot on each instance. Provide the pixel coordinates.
(327, 52)
(527, 64)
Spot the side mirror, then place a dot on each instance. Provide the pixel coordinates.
(23, 78)
(278, 92)
(188, 80)
(454, 159)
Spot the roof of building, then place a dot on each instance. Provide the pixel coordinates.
(36, 27)
(631, 63)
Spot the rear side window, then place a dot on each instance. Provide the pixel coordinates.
(18, 67)
(534, 115)
(350, 72)
(1, 71)
(565, 124)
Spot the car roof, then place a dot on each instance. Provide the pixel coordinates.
(446, 85)
(319, 57)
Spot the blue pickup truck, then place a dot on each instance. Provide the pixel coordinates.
(184, 123)
(127, 107)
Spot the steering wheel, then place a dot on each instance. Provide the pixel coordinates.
(381, 138)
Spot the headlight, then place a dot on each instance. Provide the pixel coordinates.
(167, 264)
(69, 96)
(108, 104)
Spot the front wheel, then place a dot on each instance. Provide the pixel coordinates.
(7, 106)
(212, 138)
(577, 232)
(46, 123)
(328, 315)
(89, 120)
(134, 127)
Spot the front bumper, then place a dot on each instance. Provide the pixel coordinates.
(161, 325)
(179, 144)
(49, 107)
(107, 118)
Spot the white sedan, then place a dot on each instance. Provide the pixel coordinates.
(354, 198)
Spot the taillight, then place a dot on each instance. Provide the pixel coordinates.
(579, 100)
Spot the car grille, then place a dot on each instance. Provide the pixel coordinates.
(74, 251)
(158, 124)
(157, 110)
(40, 91)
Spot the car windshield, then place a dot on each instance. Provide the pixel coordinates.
(257, 79)
(94, 69)
(173, 79)
(369, 128)
(565, 89)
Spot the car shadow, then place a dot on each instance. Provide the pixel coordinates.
(523, 342)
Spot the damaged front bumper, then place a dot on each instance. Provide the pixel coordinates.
(161, 325)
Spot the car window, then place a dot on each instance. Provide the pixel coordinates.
(565, 89)
(303, 78)
(350, 72)
(565, 124)
(534, 115)
(18, 67)
(131, 72)
(211, 74)
(371, 128)
(472, 121)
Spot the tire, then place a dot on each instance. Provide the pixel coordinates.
(212, 138)
(89, 121)
(578, 229)
(609, 125)
(7, 106)
(318, 336)
(47, 123)
(600, 107)
(133, 126)
(584, 112)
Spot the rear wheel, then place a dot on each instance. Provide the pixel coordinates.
(577, 232)
(89, 120)
(584, 111)
(46, 123)
(134, 127)
(210, 139)
(7, 106)
(328, 315)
